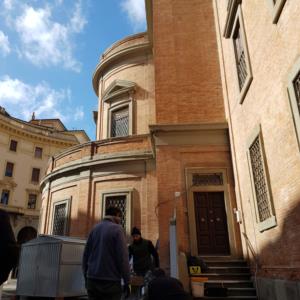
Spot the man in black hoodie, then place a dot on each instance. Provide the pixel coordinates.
(8, 247)
(145, 256)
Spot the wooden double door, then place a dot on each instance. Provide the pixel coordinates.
(211, 223)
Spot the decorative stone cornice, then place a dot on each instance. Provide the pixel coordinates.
(110, 57)
(35, 132)
(118, 88)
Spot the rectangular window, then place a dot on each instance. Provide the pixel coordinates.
(35, 176)
(5, 197)
(261, 187)
(294, 96)
(241, 53)
(240, 57)
(121, 199)
(120, 122)
(59, 219)
(38, 152)
(13, 145)
(120, 202)
(9, 169)
(32, 201)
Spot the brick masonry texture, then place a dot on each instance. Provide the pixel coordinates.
(273, 51)
(187, 81)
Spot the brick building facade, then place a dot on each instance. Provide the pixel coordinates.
(190, 123)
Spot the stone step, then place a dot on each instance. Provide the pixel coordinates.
(230, 283)
(227, 270)
(226, 263)
(225, 276)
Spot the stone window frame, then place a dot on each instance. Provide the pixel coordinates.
(293, 98)
(13, 169)
(31, 174)
(68, 203)
(239, 22)
(270, 222)
(128, 193)
(117, 95)
(10, 145)
(276, 9)
(115, 107)
(42, 152)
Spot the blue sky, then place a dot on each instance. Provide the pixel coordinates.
(50, 49)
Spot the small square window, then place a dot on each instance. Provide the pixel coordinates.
(35, 176)
(5, 197)
(13, 145)
(38, 152)
(9, 169)
(32, 201)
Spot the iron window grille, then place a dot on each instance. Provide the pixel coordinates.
(207, 179)
(240, 57)
(120, 122)
(32, 201)
(59, 219)
(9, 169)
(120, 202)
(5, 197)
(13, 145)
(35, 176)
(260, 182)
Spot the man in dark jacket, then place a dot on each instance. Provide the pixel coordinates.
(143, 252)
(105, 259)
(8, 247)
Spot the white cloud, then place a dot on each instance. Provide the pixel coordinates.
(21, 99)
(42, 38)
(4, 44)
(43, 41)
(77, 21)
(79, 114)
(135, 10)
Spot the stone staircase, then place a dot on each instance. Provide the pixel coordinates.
(232, 274)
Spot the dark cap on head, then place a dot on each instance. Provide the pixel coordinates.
(135, 230)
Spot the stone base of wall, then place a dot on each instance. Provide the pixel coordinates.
(277, 289)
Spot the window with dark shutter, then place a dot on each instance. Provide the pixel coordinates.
(13, 145)
(38, 152)
(35, 176)
(120, 122)
(5, 197)
(9, 169)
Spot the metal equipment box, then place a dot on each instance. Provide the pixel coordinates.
(50, 266)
